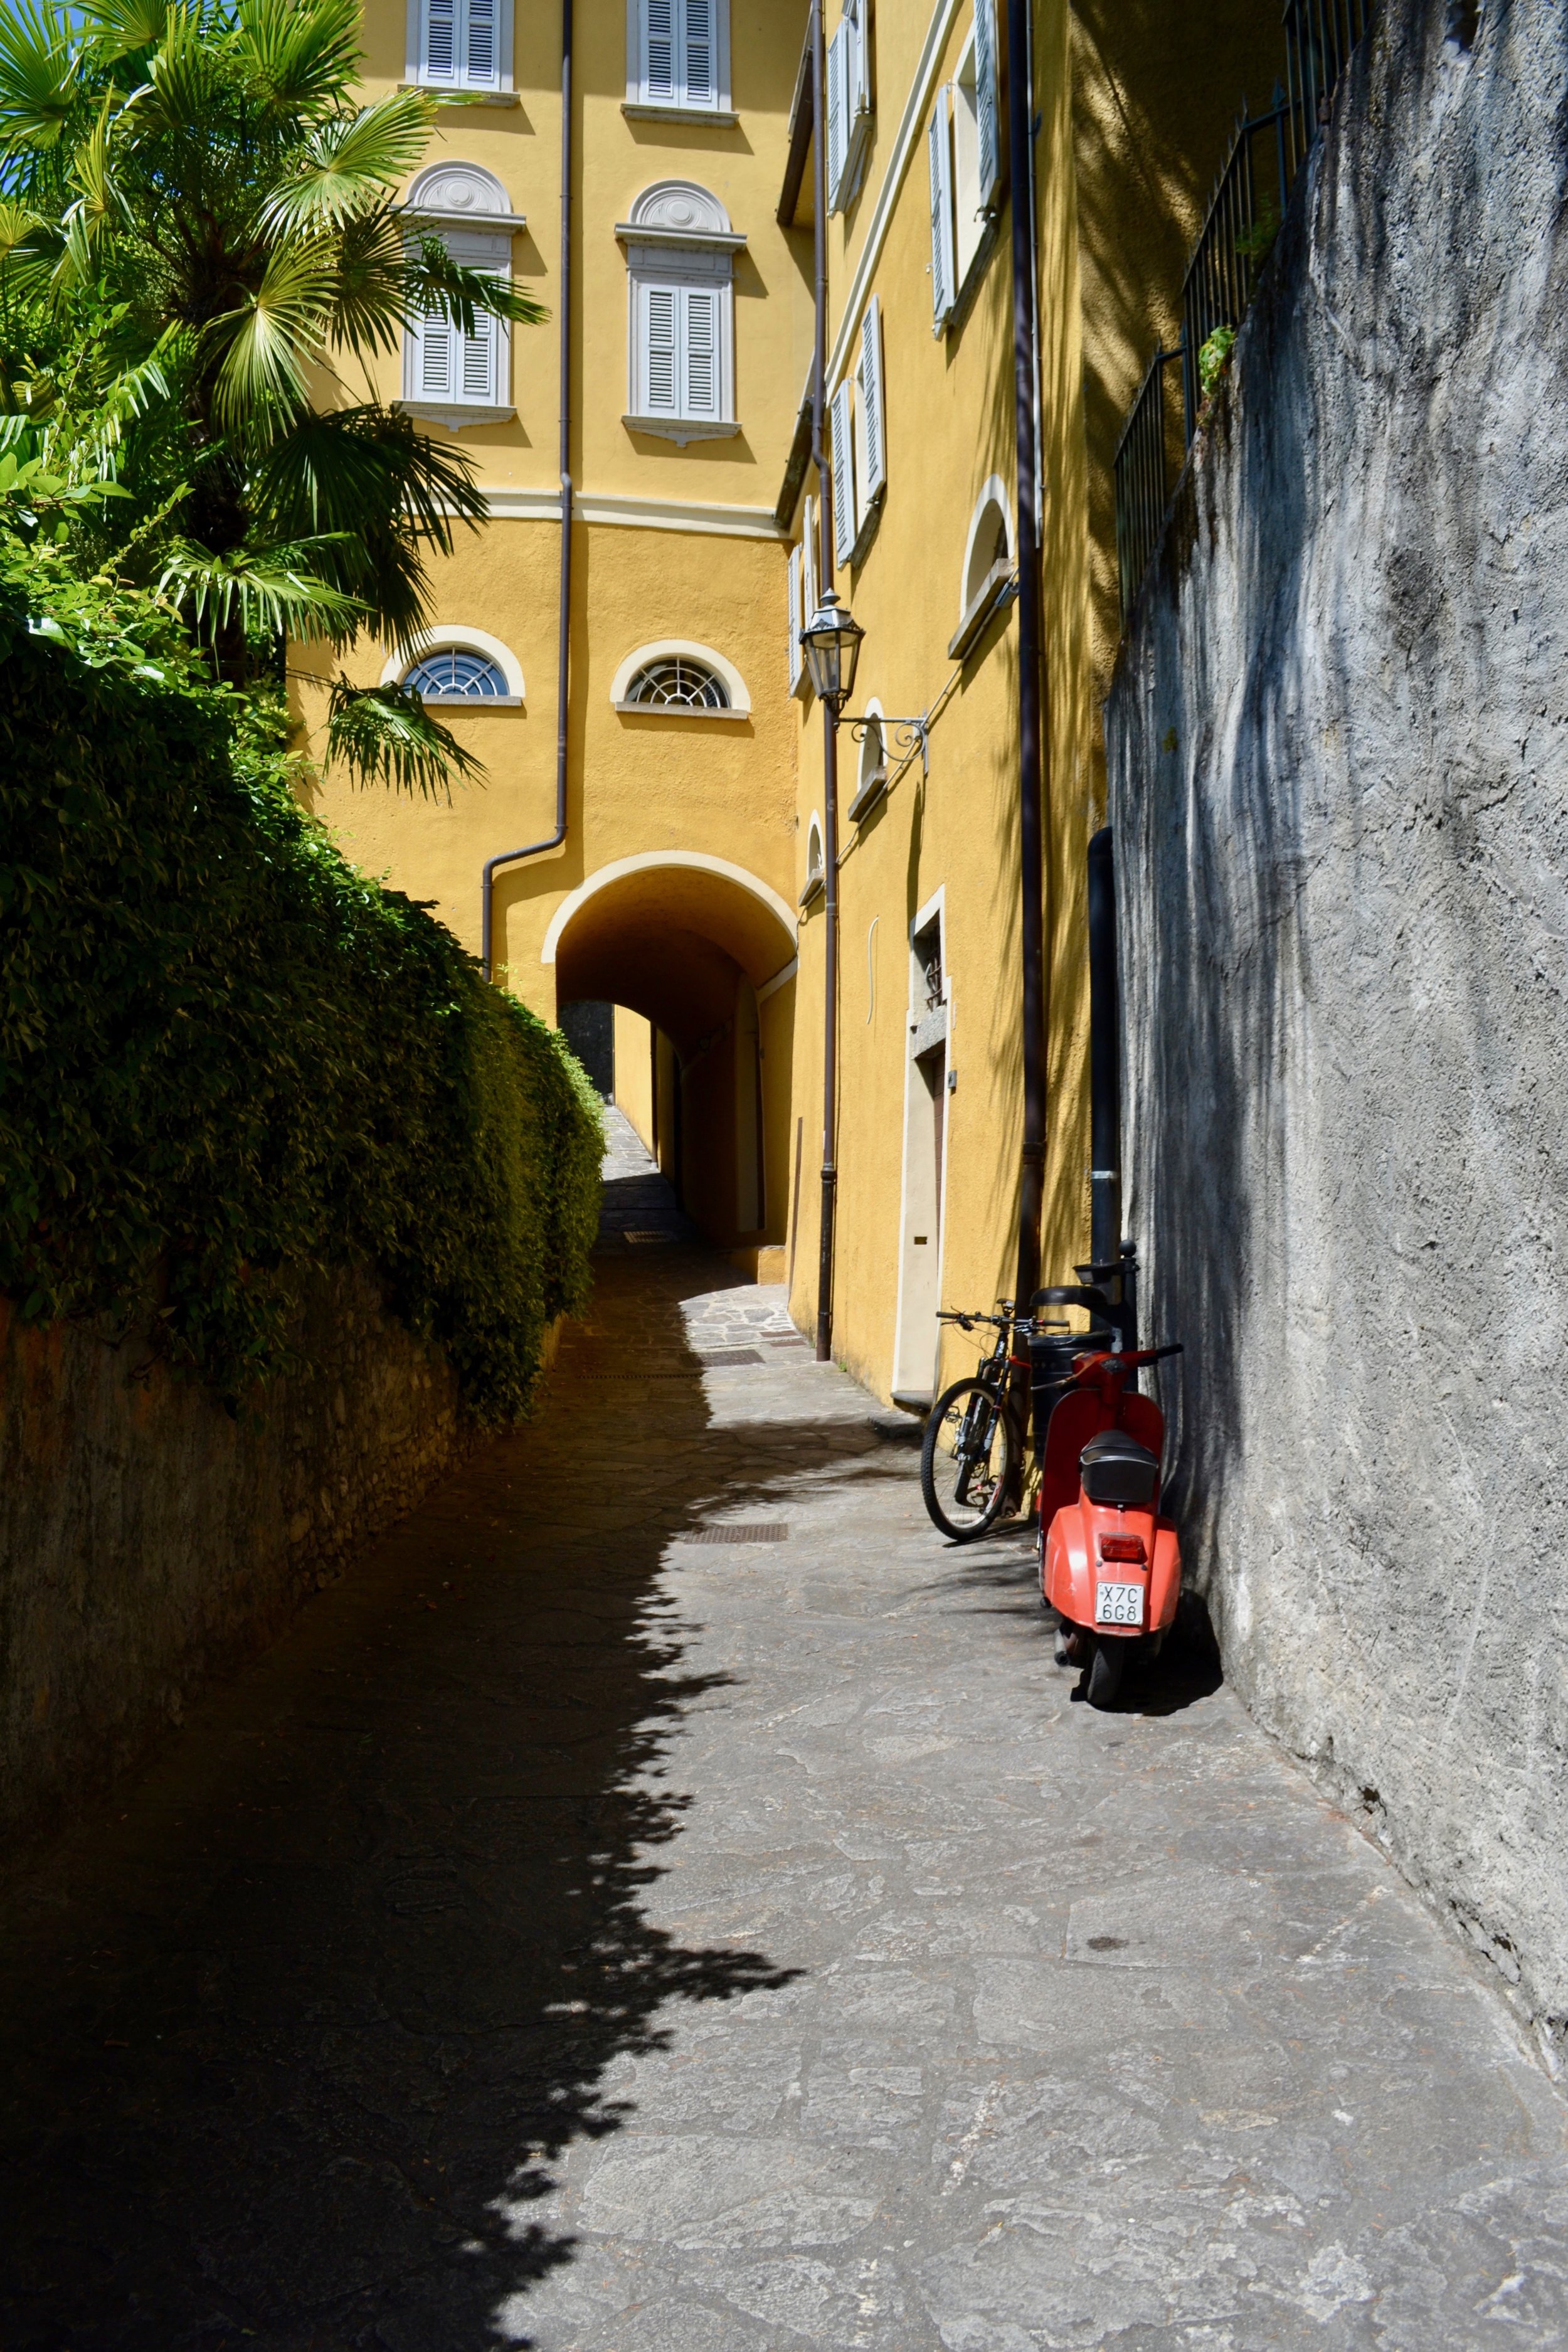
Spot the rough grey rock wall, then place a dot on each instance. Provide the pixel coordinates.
(148, 1540)
(1337, 745)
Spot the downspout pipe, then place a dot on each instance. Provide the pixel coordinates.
(1032, 777)
(1104, 1058)
(829, 715)
(563, 623)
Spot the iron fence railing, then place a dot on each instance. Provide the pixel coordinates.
(1266, 153)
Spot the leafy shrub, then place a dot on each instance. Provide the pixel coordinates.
(227, 1060)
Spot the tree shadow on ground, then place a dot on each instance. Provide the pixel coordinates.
(296, 2034)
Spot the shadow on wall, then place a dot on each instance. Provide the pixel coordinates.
(293, 2045)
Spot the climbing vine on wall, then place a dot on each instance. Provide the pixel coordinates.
(227, 1060)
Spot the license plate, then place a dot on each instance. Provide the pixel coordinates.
(1119, 1604)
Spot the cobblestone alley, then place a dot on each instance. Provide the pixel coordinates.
(664, 1901)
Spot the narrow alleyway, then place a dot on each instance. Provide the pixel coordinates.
(664, 1901)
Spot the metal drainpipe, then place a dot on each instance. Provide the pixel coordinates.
(1032, 772)
(564, 637)
(829, 716)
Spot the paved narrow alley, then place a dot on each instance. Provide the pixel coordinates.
(664, 1901)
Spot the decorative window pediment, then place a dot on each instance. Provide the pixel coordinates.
(455, 379)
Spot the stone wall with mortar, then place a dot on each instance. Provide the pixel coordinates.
(148, 1540)
(1337, 745)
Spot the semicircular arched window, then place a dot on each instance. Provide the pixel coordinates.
(676, 682)
(456, 674)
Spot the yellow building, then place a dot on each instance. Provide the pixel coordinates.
(667, 780)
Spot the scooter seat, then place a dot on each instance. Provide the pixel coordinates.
(1116, 1469)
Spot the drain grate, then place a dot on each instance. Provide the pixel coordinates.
(716, 1358)
(746, 1531)
(635, 1234)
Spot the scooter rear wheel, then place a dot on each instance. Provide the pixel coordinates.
(968, 1457)
(1105, 1671)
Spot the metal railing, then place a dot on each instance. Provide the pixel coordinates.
(1266, 153)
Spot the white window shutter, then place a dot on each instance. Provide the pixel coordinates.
(658, 80)
(699, 79)
(658, 306)
(986, 102)
(440, 60)
(938, 157)
(700, 318)
(841, 418)
(838, 113)
(481, 58)
(808, 547)
(479, 360)
(859, 67)
(797, 659)
(435, 374)
(871, 449)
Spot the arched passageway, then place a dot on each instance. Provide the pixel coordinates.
(704, 951)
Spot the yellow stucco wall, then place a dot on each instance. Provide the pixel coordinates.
(634, 1071)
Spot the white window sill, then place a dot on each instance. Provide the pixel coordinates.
(682, 429)
(865, 800)
(814, 889)
(997, 589)
(471, 701)
(455, 414)
(455, 90)
(676, 710)
(641, 111)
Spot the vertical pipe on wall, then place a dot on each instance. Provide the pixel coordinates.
(1104, 1058)
(564, 619)
(829, 716)
(1031, 670)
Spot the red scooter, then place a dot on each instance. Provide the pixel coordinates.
(1110, 1566)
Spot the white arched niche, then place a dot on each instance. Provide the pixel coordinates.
(815, 862)
(990, 566)
(871, 769)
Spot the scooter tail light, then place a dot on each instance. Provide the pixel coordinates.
(1128, 1548)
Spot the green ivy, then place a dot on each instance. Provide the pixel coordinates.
(229, 1061)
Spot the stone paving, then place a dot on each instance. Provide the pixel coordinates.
(590, 1931)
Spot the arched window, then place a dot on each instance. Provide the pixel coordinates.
(450, 377)
(988, 566)
(457, 676)
(459, 664)
(677, 683)
(815, 864)
(871, 776)
(680, 257)
(687, 680)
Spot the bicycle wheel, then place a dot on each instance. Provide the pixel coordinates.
(968, 1456)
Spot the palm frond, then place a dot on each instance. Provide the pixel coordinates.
(299, 54)
(347, 167)
(452, 290)
(271, 588)
(385, 735)
(370, 304)
(352, 468)
(123, 26)
(187, 88)
(270, 340)
(38, 74)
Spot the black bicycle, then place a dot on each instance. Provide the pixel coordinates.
(974, 1441)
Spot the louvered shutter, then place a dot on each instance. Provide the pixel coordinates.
(700, 310)
(440, 62)
(988, 124)
(841, 418)
(700, 66)
(837, 111)
(479, 360)
(859, 67)
(797, 659)
(809, 550)
(660, 308)
(659, 51)
(435, 375)
(481, 62)
(938, 157)
(871, 451)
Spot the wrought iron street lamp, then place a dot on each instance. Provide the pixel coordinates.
(831, 643)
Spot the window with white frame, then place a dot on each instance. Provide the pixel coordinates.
(680, 257)
(460, 379)
(460, 44)
(857, 424)
(848, 97)
(678, 57)
(963, 158)
(802, 595)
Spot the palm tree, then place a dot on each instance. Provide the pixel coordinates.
(200, 251)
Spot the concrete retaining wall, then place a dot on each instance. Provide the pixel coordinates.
(148, 1540)
(1338, 746)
